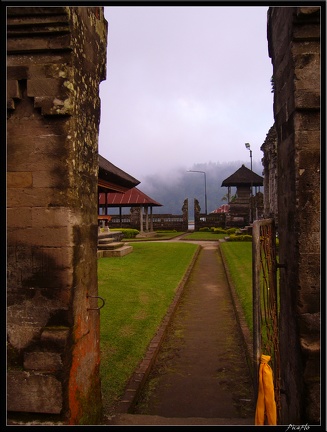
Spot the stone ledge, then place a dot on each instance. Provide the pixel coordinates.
(33, 392)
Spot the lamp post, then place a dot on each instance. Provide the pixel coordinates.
(247, 145)
(205, 188)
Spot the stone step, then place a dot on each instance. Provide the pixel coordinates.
(105, 240)
(116, 235)
(122, 251)
(12, 421)
(110, 245)
(139, 419)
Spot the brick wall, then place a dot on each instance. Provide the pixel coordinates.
(294, 47)
(56, 61)
(269, 161)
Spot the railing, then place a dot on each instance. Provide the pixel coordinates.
(159, 222)
(216, 220)
(265, 301)
(165, 221)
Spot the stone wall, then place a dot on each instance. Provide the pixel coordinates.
(56, 60)
(269, 162)
(294, 47)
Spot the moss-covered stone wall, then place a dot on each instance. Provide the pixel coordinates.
(56, 60)
(294, 47)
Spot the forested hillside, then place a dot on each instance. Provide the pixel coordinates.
(171, 189)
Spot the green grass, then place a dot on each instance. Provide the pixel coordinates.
(238, 257)
(204, 235)
(159, 235)
(138, 289)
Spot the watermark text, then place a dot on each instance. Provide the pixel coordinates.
(292, 427)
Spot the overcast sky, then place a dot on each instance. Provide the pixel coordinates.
(184, 85)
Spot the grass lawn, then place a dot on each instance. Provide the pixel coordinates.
(166, 235)
(138, 289)
(238, 257)
(204, 235)
(159, 235)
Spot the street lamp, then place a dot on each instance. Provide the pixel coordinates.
(205, 188)
(247, 145)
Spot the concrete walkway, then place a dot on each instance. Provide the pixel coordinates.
(200, 375)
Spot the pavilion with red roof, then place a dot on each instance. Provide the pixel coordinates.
(116, 188)
(131, 198)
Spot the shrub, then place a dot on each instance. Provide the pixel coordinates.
(244, 237)
(231, 230)
(204, 229)
(127, 232)
(219, 231)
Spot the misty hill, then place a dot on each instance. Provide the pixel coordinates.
(171, 189)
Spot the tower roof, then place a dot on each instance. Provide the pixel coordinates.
(243, 177)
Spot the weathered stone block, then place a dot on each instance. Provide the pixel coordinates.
(310, 324)
(40, 44)
(61, 258)
(46, 87)
(42, 361)
(18, 72)
(51, 217)
(33, 392)
(307, 120)
(308, 10)
(45, 237)
(55, 336)
(26, 320)
(34, 197)
(313, 414)
(309, 241)
(305, 48)
(19, 218)
(305, 99)
(309, 140)
(19, 179)
(49, 179)
(312, 368)
(38, 150)
(13, 91)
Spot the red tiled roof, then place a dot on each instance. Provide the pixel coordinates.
(224, 208)
(132, 198)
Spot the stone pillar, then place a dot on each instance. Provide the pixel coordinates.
(294, 47)
(151, 219)
(197, 210)
(56, 60)
(135, 217)
(146, 218)
(141, 219)
(185, 214)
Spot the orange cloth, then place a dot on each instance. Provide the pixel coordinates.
(266, 395)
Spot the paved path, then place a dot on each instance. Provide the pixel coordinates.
(200, 375)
